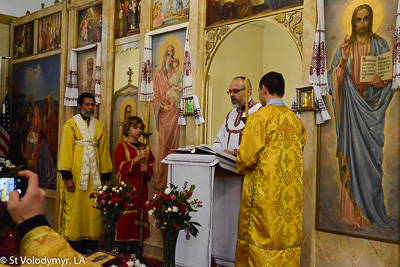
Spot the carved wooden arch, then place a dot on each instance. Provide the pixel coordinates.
(291, 21)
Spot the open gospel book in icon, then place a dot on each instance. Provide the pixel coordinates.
(204, 149)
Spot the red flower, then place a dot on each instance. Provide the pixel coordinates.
(124, 264)
(175, 225)
(126, 204)
(157, 205)
(182, 208)
(150, 206)
(91, 195)
(166, 197)
(127, 257)
(114, 200)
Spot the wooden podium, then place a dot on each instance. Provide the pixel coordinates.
(219, 186)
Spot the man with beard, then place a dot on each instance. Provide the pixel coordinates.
(84, 161)
(360, 122)
(230, 135)
(88, 85)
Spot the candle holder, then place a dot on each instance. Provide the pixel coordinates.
(146, 137)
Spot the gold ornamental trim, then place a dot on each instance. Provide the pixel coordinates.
(214, 37)
(293, 23)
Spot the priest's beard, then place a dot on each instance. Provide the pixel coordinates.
(238, 105)
(87, 114)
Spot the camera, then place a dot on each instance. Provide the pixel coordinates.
(8, 184)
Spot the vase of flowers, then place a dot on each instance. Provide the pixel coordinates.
(171, 210)
(112, 200)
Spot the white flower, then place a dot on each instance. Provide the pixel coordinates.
(113, 265)
(167, 191)
(169, 209)
(154, 196)
(175, 209)
(104, 187)
(151, 211)
(130, 263)
(101, 192)
(8, 164)
(122, 182)
(114, 189)
(190, 201)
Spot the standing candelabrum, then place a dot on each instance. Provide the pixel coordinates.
(246, 91)
(140, 222)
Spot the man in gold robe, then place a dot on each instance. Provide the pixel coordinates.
(270, 157)
(84, 161)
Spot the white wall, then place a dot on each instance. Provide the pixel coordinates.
(281, 55)
(123, 61)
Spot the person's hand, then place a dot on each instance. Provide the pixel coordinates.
(70, 185)
(143, 167)
(345, 48)
(229, 152)
(377, 82)
(31, 205)
(142, 153)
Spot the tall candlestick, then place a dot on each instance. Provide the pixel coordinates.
(246, 90)
(148, 115)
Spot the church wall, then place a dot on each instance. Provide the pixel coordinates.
(123, 61)
(285, 62)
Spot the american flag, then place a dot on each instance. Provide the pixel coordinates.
(5, 128)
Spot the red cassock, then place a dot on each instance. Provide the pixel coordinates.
(126, 172)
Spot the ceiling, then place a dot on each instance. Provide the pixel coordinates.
(18, 8)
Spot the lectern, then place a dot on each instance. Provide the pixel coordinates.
(218, 185)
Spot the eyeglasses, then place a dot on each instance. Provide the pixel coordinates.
(234, 91)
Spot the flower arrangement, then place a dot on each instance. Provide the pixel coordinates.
(171, 209)
(112, 200)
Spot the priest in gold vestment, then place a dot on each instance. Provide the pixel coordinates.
(270, 157)
(84, 161)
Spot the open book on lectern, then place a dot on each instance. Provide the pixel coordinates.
(204, 149)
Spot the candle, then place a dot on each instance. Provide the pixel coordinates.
(246, 91)
(148, 115)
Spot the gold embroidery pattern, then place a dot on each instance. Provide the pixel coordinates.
(271, 208)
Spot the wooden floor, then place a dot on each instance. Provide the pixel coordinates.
(7, 250)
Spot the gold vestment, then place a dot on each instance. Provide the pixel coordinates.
(78, 219)
(270, 217)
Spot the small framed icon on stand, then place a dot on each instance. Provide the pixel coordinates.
(188, 106)
(305, 98)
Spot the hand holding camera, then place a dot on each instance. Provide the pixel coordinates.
(31, 204)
